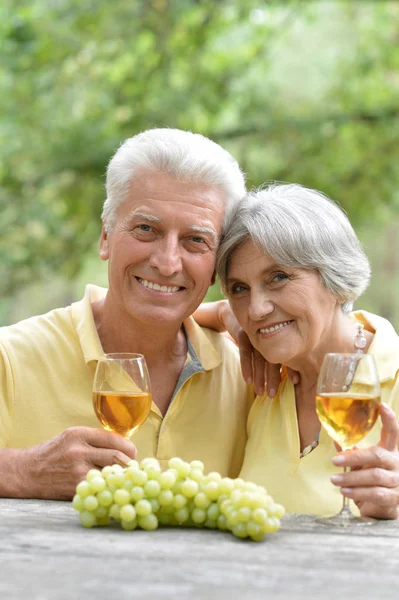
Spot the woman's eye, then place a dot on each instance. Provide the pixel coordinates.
(237, 289)
(278, 277)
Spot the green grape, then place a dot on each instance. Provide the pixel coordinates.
(201, 500)
(87, 519)
(182, 515)
(77, 503)
(129, 525)
(127, 513)
(166, 498)
(198, 515)
(259, 515)
(115, 512)
(240, 530)
(155, 506)
(141, 495)
(106, 470)
(143, 508)
(122, 497)
(90, 503)
(140, 477)
(83, 489)
(132, 465)
(197, 464)
(211, 489)
(167, 480)
(105, 498)
(222, 523)
(189, 488)
(210, 524)
(196, 475)
(148, 522)
(244, 514)
(137, 493)
(179, 501)
(98, 484)
(253, 528)
(152, 488)
(226, 485)
(213, 511)
(92, 474)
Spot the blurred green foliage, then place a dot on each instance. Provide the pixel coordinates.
(304, 91)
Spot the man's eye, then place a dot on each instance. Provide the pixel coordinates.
(145, 227)
(197, 239)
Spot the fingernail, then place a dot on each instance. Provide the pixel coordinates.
(260, 391)
(295, 379)
(249, 380)
(346, 490)
(336, 479)
(272, 393)
(338, 460)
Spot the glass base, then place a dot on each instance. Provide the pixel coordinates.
(345, 518)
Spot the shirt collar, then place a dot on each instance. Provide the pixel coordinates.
(82, 315)
(384, 346)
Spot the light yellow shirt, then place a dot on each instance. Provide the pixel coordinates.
(303, 485)
(47, 365)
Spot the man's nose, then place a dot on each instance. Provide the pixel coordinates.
(166, 257)
(260, 306)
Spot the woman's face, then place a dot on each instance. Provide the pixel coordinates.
(287, 313)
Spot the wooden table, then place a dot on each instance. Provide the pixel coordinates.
(46, 554)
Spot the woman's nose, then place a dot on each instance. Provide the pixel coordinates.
(259, 307)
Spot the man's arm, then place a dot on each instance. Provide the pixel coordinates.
(52, 469)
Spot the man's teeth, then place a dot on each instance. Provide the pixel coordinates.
(158, 288)
(274, 328)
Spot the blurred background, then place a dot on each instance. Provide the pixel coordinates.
(299, 91)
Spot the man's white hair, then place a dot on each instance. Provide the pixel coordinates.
(189, 157)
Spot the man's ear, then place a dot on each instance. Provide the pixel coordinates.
(104, 251)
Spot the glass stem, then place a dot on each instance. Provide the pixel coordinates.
(345, 503)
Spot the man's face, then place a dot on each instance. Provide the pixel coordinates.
(161, 250)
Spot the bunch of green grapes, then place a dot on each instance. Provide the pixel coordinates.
(142, 495)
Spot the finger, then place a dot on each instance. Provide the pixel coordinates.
(99, 438)
(390, 428)
(259, 365)
(375, 456)
(381, 496)
(101, 457)
(293, 376)
(367, 478)
(246, 350)
(273, 378)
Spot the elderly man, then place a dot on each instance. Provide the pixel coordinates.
(167, 195)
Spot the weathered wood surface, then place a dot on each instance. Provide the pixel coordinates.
(46, 554)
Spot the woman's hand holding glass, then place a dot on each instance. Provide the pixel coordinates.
(373, 481)
(121, 392)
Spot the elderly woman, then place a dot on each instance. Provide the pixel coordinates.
(291, 266)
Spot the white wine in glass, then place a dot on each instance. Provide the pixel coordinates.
(347, 404)
(122, 393)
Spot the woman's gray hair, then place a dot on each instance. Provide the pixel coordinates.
(301, 228)
(189, 157)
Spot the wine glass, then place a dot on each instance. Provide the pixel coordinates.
(121, 392)
(347, 404)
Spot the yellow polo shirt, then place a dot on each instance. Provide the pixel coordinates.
(303, 485)
(47, 365)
